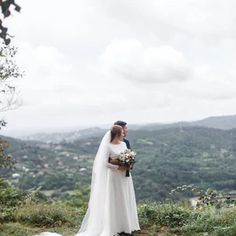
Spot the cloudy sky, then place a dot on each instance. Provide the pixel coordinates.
(91, 62)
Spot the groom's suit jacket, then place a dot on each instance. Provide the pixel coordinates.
(127, 143)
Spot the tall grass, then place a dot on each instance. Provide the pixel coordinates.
(46, 215)
(26, 215)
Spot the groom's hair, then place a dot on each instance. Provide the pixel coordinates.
(120, 123)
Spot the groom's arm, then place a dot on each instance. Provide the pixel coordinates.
(127, 143)
(111, 165)
(115, 164)
(114, 161)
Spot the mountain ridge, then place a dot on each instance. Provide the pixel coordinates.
(216, 122)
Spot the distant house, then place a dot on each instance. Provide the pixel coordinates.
(15, 175)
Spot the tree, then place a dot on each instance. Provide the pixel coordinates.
(8, 97)
(8, 71)
(5, 7)
(6, 160)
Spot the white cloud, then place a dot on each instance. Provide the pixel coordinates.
(46, 73)
(131, 60)
(210, 84)
(162, 60)
(199, 18)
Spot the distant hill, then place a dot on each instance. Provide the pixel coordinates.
(217, 122)
(64, 136)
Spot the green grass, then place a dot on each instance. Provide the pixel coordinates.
(17, 229)
(212, 221)
(165, 219)
(45, 215)
(31, 218)
(179, 219)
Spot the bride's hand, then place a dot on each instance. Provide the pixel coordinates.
(123, 168)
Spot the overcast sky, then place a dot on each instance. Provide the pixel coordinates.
(91, 62)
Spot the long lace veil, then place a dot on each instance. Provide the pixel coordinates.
(93, 221)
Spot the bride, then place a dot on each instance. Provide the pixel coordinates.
(112, 205)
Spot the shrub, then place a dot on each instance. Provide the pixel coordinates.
(199, 222)
(10, 197)
(229, 231)
(49, 215)
(15, 229)
(7, 215)
(212, 221)
(165, 214)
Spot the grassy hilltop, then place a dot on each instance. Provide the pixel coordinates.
(28, 213)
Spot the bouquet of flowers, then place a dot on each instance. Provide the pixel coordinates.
(127, 158)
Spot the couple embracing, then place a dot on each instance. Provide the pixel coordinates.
(112, 208)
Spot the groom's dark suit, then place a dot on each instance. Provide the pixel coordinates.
(127, 143)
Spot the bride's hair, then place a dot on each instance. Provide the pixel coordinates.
(115, 130)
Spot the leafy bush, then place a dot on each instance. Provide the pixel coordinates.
(212, 221)
(165, 214)
(229, 231)
(15, 229)
(7, 215)
(49, 215)
(10, 197)
(80, 196)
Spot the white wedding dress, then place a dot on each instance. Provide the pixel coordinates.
(112, 206)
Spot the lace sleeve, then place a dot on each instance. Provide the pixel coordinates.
(109, 165)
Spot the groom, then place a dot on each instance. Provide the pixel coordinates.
(123, 124)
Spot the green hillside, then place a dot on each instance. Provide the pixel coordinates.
(166, 158)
